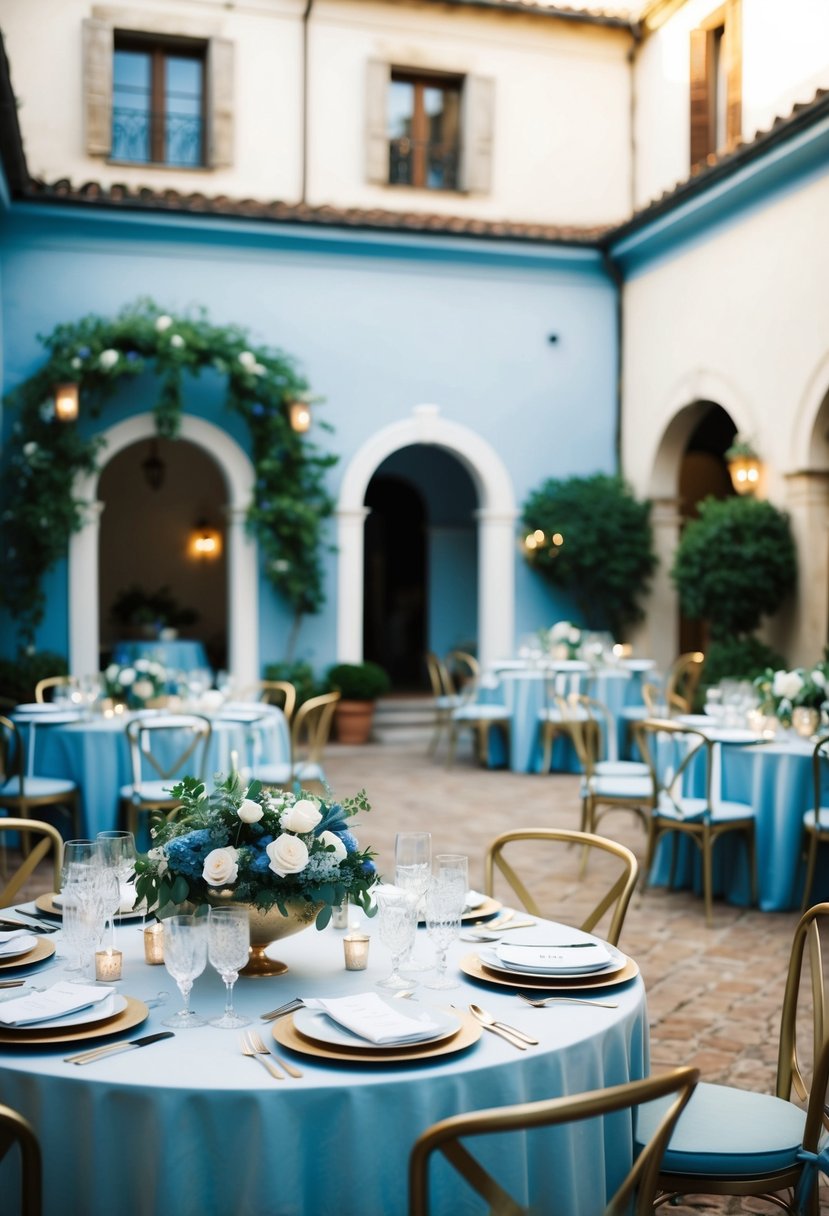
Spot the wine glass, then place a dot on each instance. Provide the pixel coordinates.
(397, 921)
(413, 867)
(228, 947)
(445, 901)
(116, 851)
(77, 852)
(80, 921)
(185, 957)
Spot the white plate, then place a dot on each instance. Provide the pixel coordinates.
(22, 945)
(638, 664)
(108, 1008)
(491, 961)
(702, 720)
(37, 707)
(733, 734)
(552, 961)
(322, 1029)
(242, 715)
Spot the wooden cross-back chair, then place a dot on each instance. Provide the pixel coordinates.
(17, 1132)
(41, 838)
(310, 731)
(23, 792)
(169, 747)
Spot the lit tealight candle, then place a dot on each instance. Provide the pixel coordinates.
(108, 964)
(154, 943)
(355, 946)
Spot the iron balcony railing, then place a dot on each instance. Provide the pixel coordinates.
(168, 138)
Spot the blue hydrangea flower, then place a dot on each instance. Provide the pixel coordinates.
(186, 854)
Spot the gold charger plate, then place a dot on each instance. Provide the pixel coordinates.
(47, 904)
(43, 949)
(287, 1035)
(488, 908)
(135, 1013)
(472, 966)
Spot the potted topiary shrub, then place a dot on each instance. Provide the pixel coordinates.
(359, 686)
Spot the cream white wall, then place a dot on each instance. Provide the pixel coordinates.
(44, 45)
(562, 132)
(742, 318)
(562, 90)
(785, 60)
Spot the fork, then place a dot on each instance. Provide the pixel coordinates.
(258, 1045)
(542, 1002)
(283, 1010)
(250, 1049)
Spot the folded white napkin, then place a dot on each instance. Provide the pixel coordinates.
(14, 941)
(55, 1002)
(370, 1017)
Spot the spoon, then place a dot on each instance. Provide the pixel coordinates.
(510, 1033)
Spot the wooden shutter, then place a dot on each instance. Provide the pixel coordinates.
(378, 75)
(734, 47)
(97, 86)
(700, 101)
(477, 130)
(220, 64)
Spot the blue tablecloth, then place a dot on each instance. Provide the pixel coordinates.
(94, 753)
(776, 780)
(523, 691)
(190, 1126)
(175, 656)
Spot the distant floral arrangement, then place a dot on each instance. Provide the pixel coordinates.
(781, 692)
(266, 846)
(562, 640)
(137, 682)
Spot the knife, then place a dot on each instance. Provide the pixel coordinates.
(87, 1057)
(39, 927)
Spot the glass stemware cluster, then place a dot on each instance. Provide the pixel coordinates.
(94, 874)
(445, 900)
(223, 937)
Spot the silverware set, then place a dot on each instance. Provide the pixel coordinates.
(283, 1010)
(253, 1047)
(509, 1033)
(543, 1002)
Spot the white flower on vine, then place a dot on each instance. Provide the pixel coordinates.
(108, 358)
(177, 340)
(76, 362)
(247, 360)
(162, 323)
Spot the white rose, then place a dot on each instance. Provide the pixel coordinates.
(329, 838)
(250, 811)
(258, 369)
(247, 360)
(142, 664)
(160, 858)
(303, 816)
(287, 855)
(787, 684)
(819, 678)
(111, 672)
(220, 867)
(143, 689)
(163, 323)
(108, 358)
(573, 636)
(126, 677)
(559, 631)
(177, 340)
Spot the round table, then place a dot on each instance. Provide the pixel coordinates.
(94, 752)
(179, 655)
(191, 1126)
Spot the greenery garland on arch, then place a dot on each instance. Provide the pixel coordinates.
(44, 455)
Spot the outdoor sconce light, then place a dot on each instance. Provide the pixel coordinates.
(299, 416)
(205, 542)
(66, 402)
(537, 540)
(744, 466)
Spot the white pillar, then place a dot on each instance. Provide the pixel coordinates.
(84, 612)
(242, 600)
(801, 632)
(350, 558)
(658, 638)
(496, 584)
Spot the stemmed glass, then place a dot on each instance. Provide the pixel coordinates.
(228, 947)
(413, 868)
(117, 852)
(445, 901)
(397, 921)
(185, 957)
(79, 926)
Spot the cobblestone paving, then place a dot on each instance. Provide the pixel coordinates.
(714, 995)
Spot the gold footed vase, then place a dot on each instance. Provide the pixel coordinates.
(268, 927)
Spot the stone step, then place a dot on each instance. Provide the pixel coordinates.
(403, 718)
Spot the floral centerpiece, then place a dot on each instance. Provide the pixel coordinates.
(262, 847)
(136, 683)
(781, 692)
(562, 640)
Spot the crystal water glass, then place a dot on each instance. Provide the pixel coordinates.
(87, 897)
(116, 851)
(185, 957)
(396, 922)
(228, 948)
(445, 902)
(77, 852)
(413, 870)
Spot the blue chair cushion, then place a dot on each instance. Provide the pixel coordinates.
(725, 1131)
(37, 787)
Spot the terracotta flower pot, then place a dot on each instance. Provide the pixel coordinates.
(352, 721)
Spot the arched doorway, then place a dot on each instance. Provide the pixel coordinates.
(158, 492)
(242, 573)
(494, 515)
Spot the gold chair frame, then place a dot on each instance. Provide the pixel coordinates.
(281, 693)
(15, 1130)
(791, 1078)
(701, 831)
(49, 682)
(683, 681)
(13, 765)
(445, 698)
(200, 729)
(818, 832)
(617, 897)
(639, 1184)
(311, 729)
(50, 838)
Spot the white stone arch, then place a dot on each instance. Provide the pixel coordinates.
(809, 449)
(242, 553)
(496, 528)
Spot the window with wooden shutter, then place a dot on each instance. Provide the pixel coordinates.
(97, 79)
(716, 82)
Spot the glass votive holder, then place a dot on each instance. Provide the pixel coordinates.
(108, 964)
(355, 948)
(339, 915)
(154, 944)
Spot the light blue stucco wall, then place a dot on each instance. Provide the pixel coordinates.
(378, 324)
